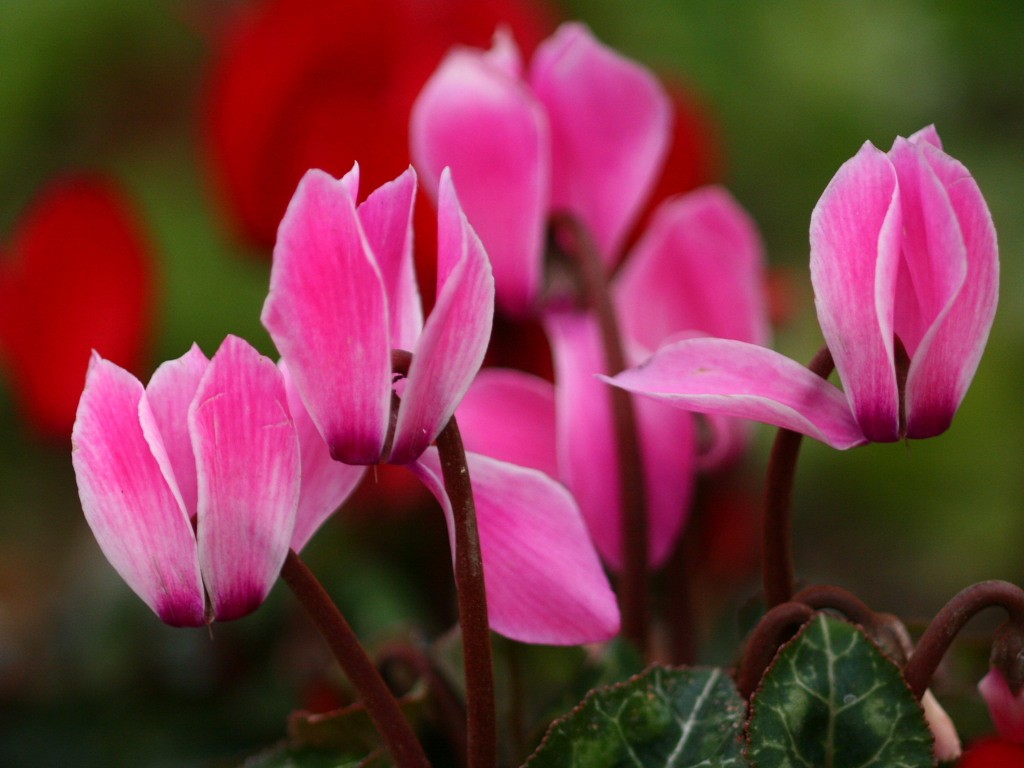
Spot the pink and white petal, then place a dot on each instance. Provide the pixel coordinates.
(721, 441)
(669, 455)
(137, 518)
(610, 123)
(698, 267)
(587, 443)
(944, 363)
(386, 216)
(247, 457)
(742, 380)
(1005, 709)
(947, 741)
(170, 393)
(928, 135)
(934, 263)
(449, 352)
(326, 483)
(510, 415)
(328, 315)
(855, 249)
(477, 118)
(586, 440)
(543, 578)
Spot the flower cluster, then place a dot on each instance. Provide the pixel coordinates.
(201, 485)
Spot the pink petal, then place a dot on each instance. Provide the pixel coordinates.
(669, 453)
(328, 315)
(475, 116)
(247, 457)
(543, 578)
(510, 415)
(947, 740)
(326, 483)
(698, 267)
(1005, 709)
(610, 123)
(587, 443)
(454, 340)
(386, 217)
(170, 392)
(138, 519)
(952, 256)
(855, 248)
(698, 270)
(746, 381)
(586, 437)
(927, 135)
(934, 262)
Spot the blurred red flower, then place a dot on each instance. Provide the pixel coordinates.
(301, 84)
(993, 753)
(75, 276)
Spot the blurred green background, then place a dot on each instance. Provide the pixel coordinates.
(89, 677)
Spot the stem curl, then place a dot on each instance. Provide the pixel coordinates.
(946, 625)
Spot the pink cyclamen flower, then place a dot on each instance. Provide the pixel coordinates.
(584, 131)
(192, 484)
(342, 296)
(1005, 708)
(904, 265)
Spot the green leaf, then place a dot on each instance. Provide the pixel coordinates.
(831, 698)
(681, 718)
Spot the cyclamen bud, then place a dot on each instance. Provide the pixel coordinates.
(1005, 708)
(1003, 687)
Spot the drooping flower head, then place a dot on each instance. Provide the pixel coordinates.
(343, 295)
(76, 275)
(905, 270)
(583, 131)
(194, 486)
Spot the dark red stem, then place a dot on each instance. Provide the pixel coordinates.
(935, 641)
(777, 541)
(775, 628)
(573, 239)
(481, 714)
(380, 704)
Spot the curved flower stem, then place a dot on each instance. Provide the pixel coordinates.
(481, 710)
(774, 629)
(852, 607)
(951, 619)
(777, 540)
(380, 704)
(573, 240)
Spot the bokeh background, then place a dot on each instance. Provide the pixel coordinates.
(781, 94)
